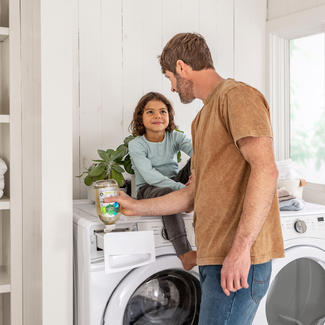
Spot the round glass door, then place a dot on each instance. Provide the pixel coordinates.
(169, 297)
(297, 295)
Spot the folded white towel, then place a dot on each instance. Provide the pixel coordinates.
(2, 182)
(3, 167)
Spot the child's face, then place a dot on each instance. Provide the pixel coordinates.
(155, 117)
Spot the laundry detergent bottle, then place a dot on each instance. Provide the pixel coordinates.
(108, 213)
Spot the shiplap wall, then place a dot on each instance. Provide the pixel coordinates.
(281, 8)
(119, 42)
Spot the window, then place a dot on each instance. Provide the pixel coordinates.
(307, 106)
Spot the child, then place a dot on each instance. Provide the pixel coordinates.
(153, 156)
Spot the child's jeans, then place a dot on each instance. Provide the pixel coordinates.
(173, 224)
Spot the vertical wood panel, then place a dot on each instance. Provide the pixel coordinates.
(250, 17)
(218, 33)
(152, 40)
(56, 160)
(133, 53)
(111, 74)
(90, 81)
(178, 17)
(31, 161)
(76, 109)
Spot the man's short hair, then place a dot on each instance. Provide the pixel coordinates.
(191, 48)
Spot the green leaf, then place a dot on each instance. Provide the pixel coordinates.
(179, 130)
(123, 149)
(98, 170)
(118, 177)
(109, 153)
(100, 177)
(128, 165)
(98, 160)
(88, 180)
(101, 154)
(117, 155)
(128, 139)
(117, 168)
(179, 157)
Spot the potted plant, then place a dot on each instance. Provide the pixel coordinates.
(111, 165)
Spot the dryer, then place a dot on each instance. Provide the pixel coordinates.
(296, 295)
(161, 292)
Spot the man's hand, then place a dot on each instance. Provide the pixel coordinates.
(235, 269)
(189, 181)
(128, 206)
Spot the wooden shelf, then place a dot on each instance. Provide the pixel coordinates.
(4, 118)
(4, 33)
(4, 280)
(4, 204)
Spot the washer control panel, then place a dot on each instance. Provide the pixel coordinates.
(306, 226)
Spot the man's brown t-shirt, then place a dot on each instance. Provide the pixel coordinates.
(233, 111)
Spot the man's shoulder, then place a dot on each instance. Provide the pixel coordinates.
(234, 87)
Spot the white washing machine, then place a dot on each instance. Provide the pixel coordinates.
(296, 295)
(161, 292)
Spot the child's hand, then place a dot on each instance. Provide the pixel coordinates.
(127, 204)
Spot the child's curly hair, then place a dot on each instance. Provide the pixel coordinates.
(136, 126)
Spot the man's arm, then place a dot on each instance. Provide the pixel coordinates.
(172, 203)
(258, 152)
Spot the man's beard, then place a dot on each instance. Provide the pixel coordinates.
(184, 89)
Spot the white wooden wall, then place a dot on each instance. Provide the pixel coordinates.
(280, 8)
(119, 42)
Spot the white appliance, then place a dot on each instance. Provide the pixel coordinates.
(296, 295)
(161, 292)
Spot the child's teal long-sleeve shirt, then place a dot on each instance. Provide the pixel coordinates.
(155, 163)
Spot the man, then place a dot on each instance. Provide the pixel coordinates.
(233, 190)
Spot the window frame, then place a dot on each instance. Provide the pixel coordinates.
(279, 32)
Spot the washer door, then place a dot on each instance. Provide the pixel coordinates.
(158, 293)
(296, 295)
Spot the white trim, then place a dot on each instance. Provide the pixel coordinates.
(279, 94)
(299, 24)
(278, 33)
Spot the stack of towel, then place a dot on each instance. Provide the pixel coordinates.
(290, 187)
(3, 169)
(290, 194)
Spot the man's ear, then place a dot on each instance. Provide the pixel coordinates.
(182, 68)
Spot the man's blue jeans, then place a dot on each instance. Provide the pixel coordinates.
(241, 306)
